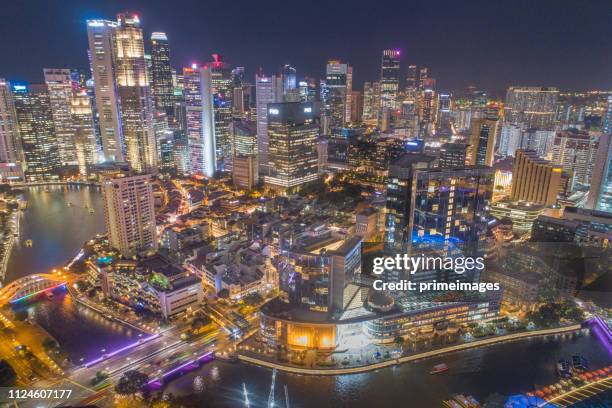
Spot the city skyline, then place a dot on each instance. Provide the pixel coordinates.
(486, 45)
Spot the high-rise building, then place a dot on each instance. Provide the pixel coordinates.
(356, 106)
(607, 119)
(534, 179)
(100, 34)
(412, 78)
(59, 85)
(82, 119)
(535, 107)
(268, 89)
(293, 134)
(423, 77)
(600, 193)
(201, 141)
(10, 141)
(129, 214)
(135, 98)
(219, 85)
(389, 79)
(163, 89)
(452, 155)
(575, 151)
(482, 139)
(35, 121)
(371, 101)
(337, 94)
(288, 74)
(308, 90)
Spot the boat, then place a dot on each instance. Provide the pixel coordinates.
(29, 243)
(580, 363)
(91, 211)
(438, 368)
(462, 401)
(564, 369)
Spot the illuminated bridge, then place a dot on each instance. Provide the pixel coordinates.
(30, 286)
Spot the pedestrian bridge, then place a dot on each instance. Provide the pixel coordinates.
(29, 286)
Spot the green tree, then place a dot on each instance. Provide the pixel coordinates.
(131, 382)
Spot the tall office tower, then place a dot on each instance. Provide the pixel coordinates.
(163, 89)
(129, 214)
(239, 107)
(452, 155)
(510, 139)
(337, 94)
(423, 77)
(219, 85)
(533, 106)
(293, 134)
(10, 141)
(201, 141)
(600, 193)
(534, 179)
(444, 108)
(389, 79)
(82, 118)
(268, 89)
(135, 97)
(308, 90)
(100, 34)
(482, 139)
(428, 102)
(412, 78)
(371, 100)
(35, 122)
(245, 168)
(575, 151)
(356, 106)
(288, 74)
(59, 85)
(541, 141)
(398, 233)
(607, 119)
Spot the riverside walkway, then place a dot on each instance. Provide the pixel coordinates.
(414, 357)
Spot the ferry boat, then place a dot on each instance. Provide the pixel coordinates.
(564, 369)
(91, 211)
(438, 368)
(29, 243)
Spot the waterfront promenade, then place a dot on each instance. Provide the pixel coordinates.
(413, 357)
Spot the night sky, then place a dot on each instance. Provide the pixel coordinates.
(490, 44)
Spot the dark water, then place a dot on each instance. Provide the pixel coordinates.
(56, 230)
(81, 331)
(506, 369)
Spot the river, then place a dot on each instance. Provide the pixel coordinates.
(58, 231)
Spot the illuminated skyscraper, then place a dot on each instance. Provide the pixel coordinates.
(219, 85)
(100, 34)
(371, 100)
(575, 151)
(533, 106)
(82, 124)
(389, 79)
(200, 120)
(534, 179)
(337, 94)
(134, 93)
(129, 214)
(607, 119)
(163, 89)
(412, 78)
(600, 193)
(59, 85)
(482, 139)
(10, 141)
(293, 140)
(268, 89)
(35, 120)
(289, 76)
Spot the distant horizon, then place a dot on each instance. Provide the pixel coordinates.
(491, 46)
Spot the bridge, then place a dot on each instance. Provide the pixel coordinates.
(31, 285)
